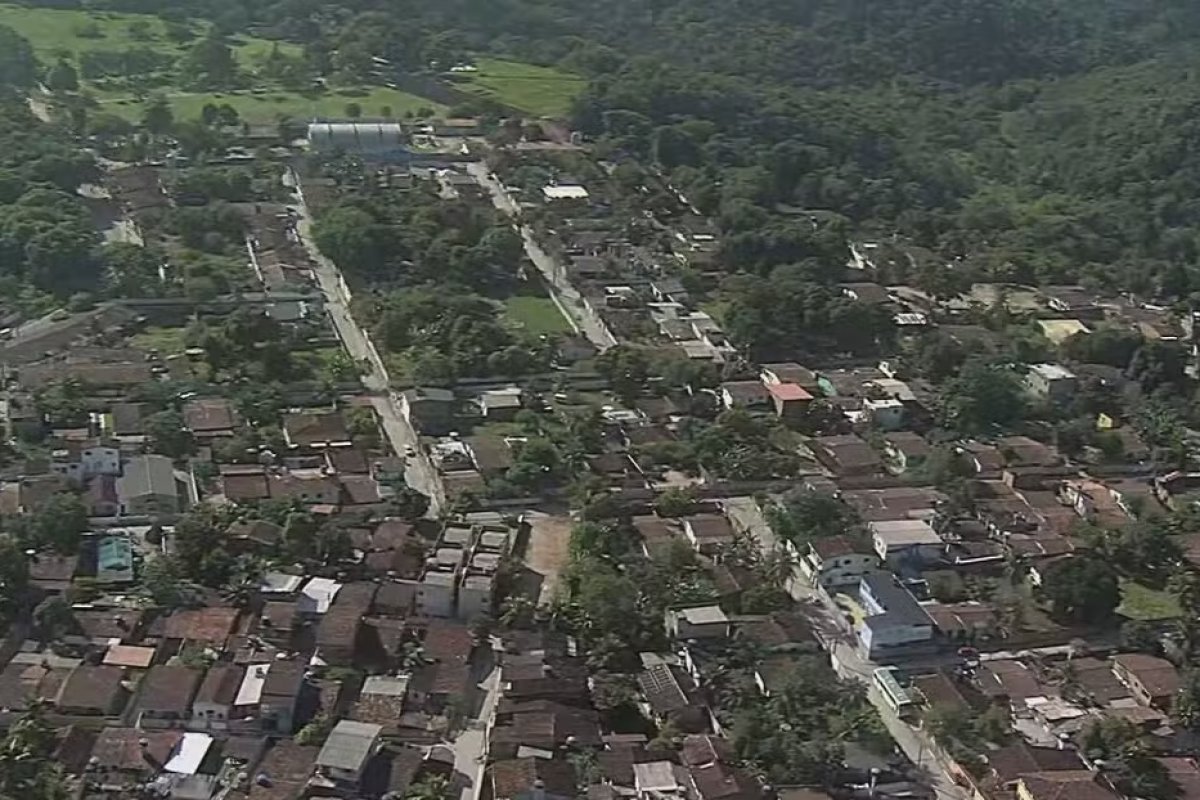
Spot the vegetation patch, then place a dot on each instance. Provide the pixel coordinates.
(544, 91)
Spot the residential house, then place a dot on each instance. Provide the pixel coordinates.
(790, 400)
(894, 618)
(280, 696)
(1052, 382)
(1081, 784)
(101, 497)
(347, 751)
(836, 561)
(80, 461)
(148, 487)
(905, 541)
(500, 405)
(791, 372)
(905, 451)
(213, 705)
(532, 778)
(52, 573)
(1153, 681)
(244, 483)
(126, 422)
(164, 698)
(699, 622)
(316, 430)
(708, 533)
(210, 417)
(95, 691)
(744, 394)
(429, 410)
(846, 455)
(114, 560)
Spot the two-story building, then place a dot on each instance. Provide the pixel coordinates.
(894, 617)
(835, 562)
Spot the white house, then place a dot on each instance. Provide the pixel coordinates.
(894, 617)
(79, 463)
(905, 540)
(836, 562)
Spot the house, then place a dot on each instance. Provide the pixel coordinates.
(744, 394)
(311, 487)
(1080, 784)
(80, 461)
(209, 626)
(1052, 382)
(213, 705)
(114, 560)
(148, 487)
(101, 498)
(1153, 681)
(790, 400)
(280, 696)
(316, 430)
(164, 698)
(865, 292)
(210, 417)
(129, 751)
(52, 573)
(532, 778)
(242, 483)
(572, 193)
(905, 450)
(836, 561)
(905, 541)
(791, 372)
(659, 780)
(94, 691)
(543, 724)
(347, 751)
(720, 782)
(127, 421)
(708, 533)
(429, 410)
(846, 455)
(491, 455)
(700, 622)
(894, 618)
(500, 405)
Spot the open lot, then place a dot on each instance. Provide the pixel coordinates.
(544, 91)
(536, 315)
(1142, 602)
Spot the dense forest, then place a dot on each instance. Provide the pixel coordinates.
(1031, 141)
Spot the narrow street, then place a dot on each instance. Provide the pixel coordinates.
(419, 471)
(471, 744)
(564, 294)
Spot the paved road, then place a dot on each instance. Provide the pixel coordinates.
(569, 301)
(470, 745)
(834, 632)
(420, 473)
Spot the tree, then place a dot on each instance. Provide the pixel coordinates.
(675, 502)
(53, 619)
(62, 77)
(210, 63)
(27, 765)
(168, 435)
(59, 522)
(982, 398)
(1082, 588)
(157, 117)
(353, 110)
(18, 65)
(431, 787)
(14, 575)
(1186, 708)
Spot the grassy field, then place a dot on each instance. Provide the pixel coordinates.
(264, 106)
(56, 33)
(543, 91)
(1143, 603)
(537, 315)
(167, 341)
